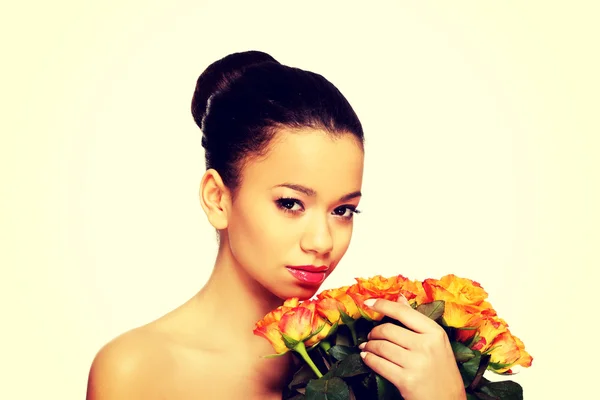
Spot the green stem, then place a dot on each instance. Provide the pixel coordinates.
(485, 360)
(325, 345)
(301, 349)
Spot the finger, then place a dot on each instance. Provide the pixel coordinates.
(388, 350)
(396, 334)
(402, 299)
(404, 313)
(387, 369)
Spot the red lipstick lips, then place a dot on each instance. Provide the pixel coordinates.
(308, 273)
(310, 268)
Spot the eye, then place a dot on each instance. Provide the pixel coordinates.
(346, 212)
(289, 204)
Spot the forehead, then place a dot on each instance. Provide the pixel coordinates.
(313, 158)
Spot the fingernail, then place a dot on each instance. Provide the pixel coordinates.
(363, 354)
(369, 302)
(362, 345)
(402, 299)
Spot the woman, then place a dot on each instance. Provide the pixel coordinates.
(284, 157)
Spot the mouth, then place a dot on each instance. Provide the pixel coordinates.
(309, 268)
(310, 274)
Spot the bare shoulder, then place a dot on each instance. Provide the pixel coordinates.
(125, 367)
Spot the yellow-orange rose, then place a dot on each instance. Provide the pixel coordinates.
(297, 323)
(359, 299)
(504, 352)
(376, 287)
(489, 329)
(342, 296)
(268, 327)
(330, 308)
(461, 315)
(323, 328)
(413, 291)
(456, 289)
(525, 359)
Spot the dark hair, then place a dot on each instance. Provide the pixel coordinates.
(241, 100)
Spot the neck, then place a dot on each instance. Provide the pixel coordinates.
(232, 302)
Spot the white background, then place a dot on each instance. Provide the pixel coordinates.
(481, 121)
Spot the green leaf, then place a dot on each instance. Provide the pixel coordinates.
(290, 343)
(433, 310)
(340, 352)
(483, 396)
(291, 394)
(327, 389)
(302, 376)
(386, 390)
(346, 319)
(498, 366)
(343, 336)
(505, 390)
(470, 367)
(352, 365)
(364, 315)
(363, 327)
(333, 329)
(461, 352)
(319, 329)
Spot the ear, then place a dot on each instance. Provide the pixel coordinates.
(215, 199)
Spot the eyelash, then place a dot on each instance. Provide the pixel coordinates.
(282, 201)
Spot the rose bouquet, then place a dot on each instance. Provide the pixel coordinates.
(325, 333)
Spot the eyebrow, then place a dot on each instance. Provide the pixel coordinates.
(311, 192)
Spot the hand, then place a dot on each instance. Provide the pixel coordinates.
(419, 361)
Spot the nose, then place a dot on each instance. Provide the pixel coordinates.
(317, 238)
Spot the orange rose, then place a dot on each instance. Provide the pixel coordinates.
(359, 299)
(504, 353)
(491, 328)
(461, 316)
(342, 296)
(414, 291)
(272, 333)
(487, 310)
(330, 308)
(525, 359)
(297, 323)
(291, 302)
(456, 289)
(323, 328)
(268, 327)
(376, 287)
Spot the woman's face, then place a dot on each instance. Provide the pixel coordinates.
(292, 217)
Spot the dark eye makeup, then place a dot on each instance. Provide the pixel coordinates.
(294, 206)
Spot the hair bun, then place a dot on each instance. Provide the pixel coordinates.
(219, 75)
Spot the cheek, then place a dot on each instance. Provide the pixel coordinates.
(257, 235)
(342, 241)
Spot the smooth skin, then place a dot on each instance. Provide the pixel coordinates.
(205, 349)
(294, 207)
(419, 361)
